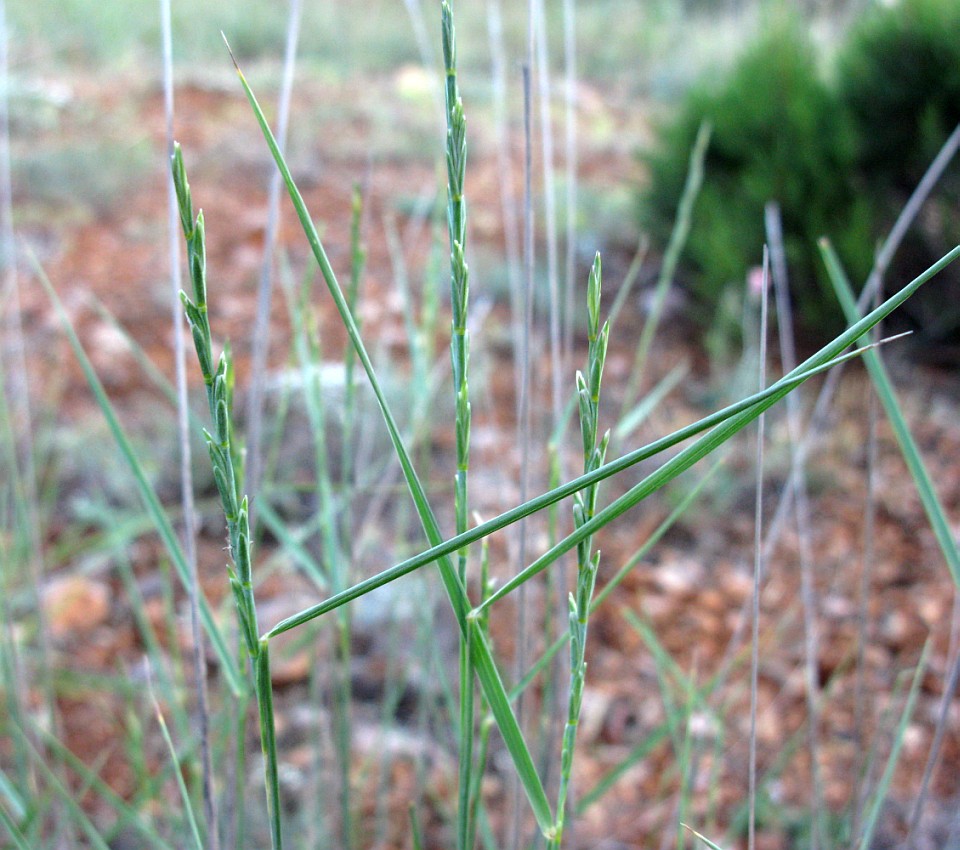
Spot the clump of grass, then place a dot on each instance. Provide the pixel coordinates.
(477, 659)
(588, 520)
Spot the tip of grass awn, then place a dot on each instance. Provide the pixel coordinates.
(233, 58)
(702, 838)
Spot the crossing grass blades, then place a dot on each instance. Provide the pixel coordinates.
(477, 661)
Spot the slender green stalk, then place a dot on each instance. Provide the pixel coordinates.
(652, 739)
(11, 660)
(630, 421)
(486, 725)
(336, 565)
(678, 238)
(686, 764)
(236, 832)
(459, 273)
(181, 784)
(702, 838)
(416, 834)
(588, 562)
(629, 279)
(459, 355)
(293, 547)
(18, 838)
(880, 794)
(68, 799)
(11, 797)
(268, 740)
(358, 260)
(611, 585)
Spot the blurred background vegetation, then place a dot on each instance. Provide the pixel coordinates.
(831, 109)
(838, 134)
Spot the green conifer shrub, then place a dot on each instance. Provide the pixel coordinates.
(899, 80)
(779, 134)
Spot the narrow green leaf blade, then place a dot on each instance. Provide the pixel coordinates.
(888, 398)
(160, 519)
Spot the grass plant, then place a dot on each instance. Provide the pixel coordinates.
(550, 823)
(476, 707)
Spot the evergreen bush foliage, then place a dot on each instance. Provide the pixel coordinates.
(899, 80)
(779, 134)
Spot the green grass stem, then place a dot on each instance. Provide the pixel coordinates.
(181, 784)
(456, 155)
(336, 568)
(633, 419)
(67, 799)
(678, 238)
(702, 838)
(16, 836)
(11, 798)
(268, 741)
(880, 793)
(229, 481)
(358, 260)
(293, 547)
(588, 561)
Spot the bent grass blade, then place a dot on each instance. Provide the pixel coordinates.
(545, 500)
(908, 446)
